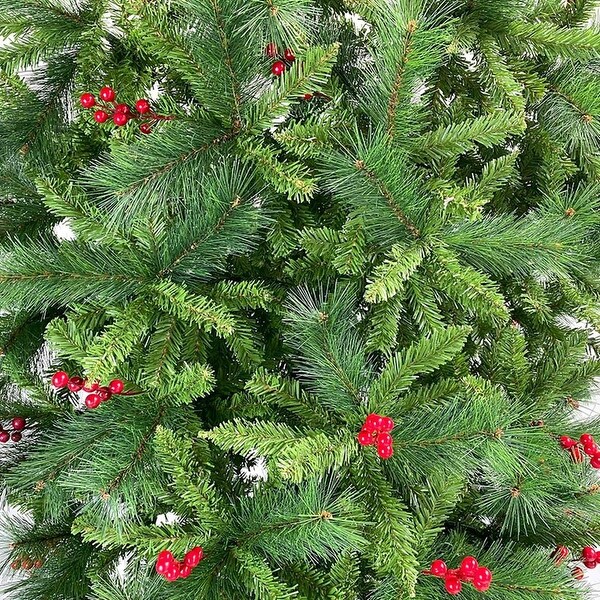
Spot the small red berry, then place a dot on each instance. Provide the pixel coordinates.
(586, 438)
(107, 94)
(566, 442)
(18, 423)
(38, 564)
(116, 386)
(578, 573)
(194, 556)
(4, 437)
(165, 558)
(559, 554)
(142, 106)
(120, 119)
(308, 97)
(588, 553)
(60, 379)
(123, 108)
(576, 454)
(104, 393)
(172, 572)
(146, 128)
(87, 100)
(595, 462)
(384, 439)
(438, 568)
(91, 387)
(386, 424)
(16, 437)
(101, 116)
(289, 55)
(271, 50)
(185, 571)
(482, 579)
(75, 384)
(365, 438)
(468, 567)
(373, 422)
(385, 452)
(591, 449)
(278, 68)
(92, 400)
(453, 585)
(15, 564)
(27, 564)
(590, 564)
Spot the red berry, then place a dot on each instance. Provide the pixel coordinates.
(385, 452)
(75, 384)
(595, 462)
(438, 568)
(365, 438)
(384, 439)
(453, 585)
(107, 94)
(38, 563)
(104, 393)
(100, 116)
(591, 449)
(586, 438)
(386, 424)
(289, 55)
(165, 558)
(483, 577)
(27, 564)
(278, 68)
(373, 422)
(185, 571)
(559, 554)
(91, 387)
(193, 557)
(482, 587)
(18, 423)
(4, 437)
(16, 437)
(578, 573)
(590, 564)
(146, 128)
(116, 386)
(120, 119)
(271, 50)
(576, 454)
(566, 442)
(468, 567)
(142, 106)
(588, 553)
(172, 572)
(15, 564)
(60, 379)
(92, 401)
(308, 97)
(87, 100)
(123, 108)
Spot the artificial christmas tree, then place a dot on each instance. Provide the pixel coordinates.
(393, 237)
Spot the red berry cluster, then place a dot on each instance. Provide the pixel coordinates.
(589, 446)
(469, 570)
(96, 393)
(26, 563)
(590, 557)
(121, 114)
(376, 430)
(279, 66)
(171, 569)
(14, 434)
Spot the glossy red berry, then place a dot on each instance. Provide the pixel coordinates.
(271, 50)
(4, 437)
(289, 55)
(120, 119)
(91, 387)
(482, 577)
(385, 452)
(107, 94)
(278, 68)
(123, 108)
(15, 564)
(595, 462)
(586, 438)
(18, 423)
(373, 422)
(576, 454)
(146, 128)
(365, 438)
(384, 439)
(116, 386)
(386, 424)
(185, 571)
(468, 567)
(481, 586)
(438, 568)
(453, 585)
(591, 449)
(87, 100)
(16, 436)
(104, 393)
(142, 106)
(60, 379)
(172, 572)
(308, 97)
(165, 558)
(566, 442)
(92, 400)
(101, 116)
(193, 557)
(559, 554)
(578, 573)
(590, 564)
(588, 553)
(75, 384)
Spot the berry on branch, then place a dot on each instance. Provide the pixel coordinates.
(278, 68)
(87, 100)
(60, 379)
(107, 94)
